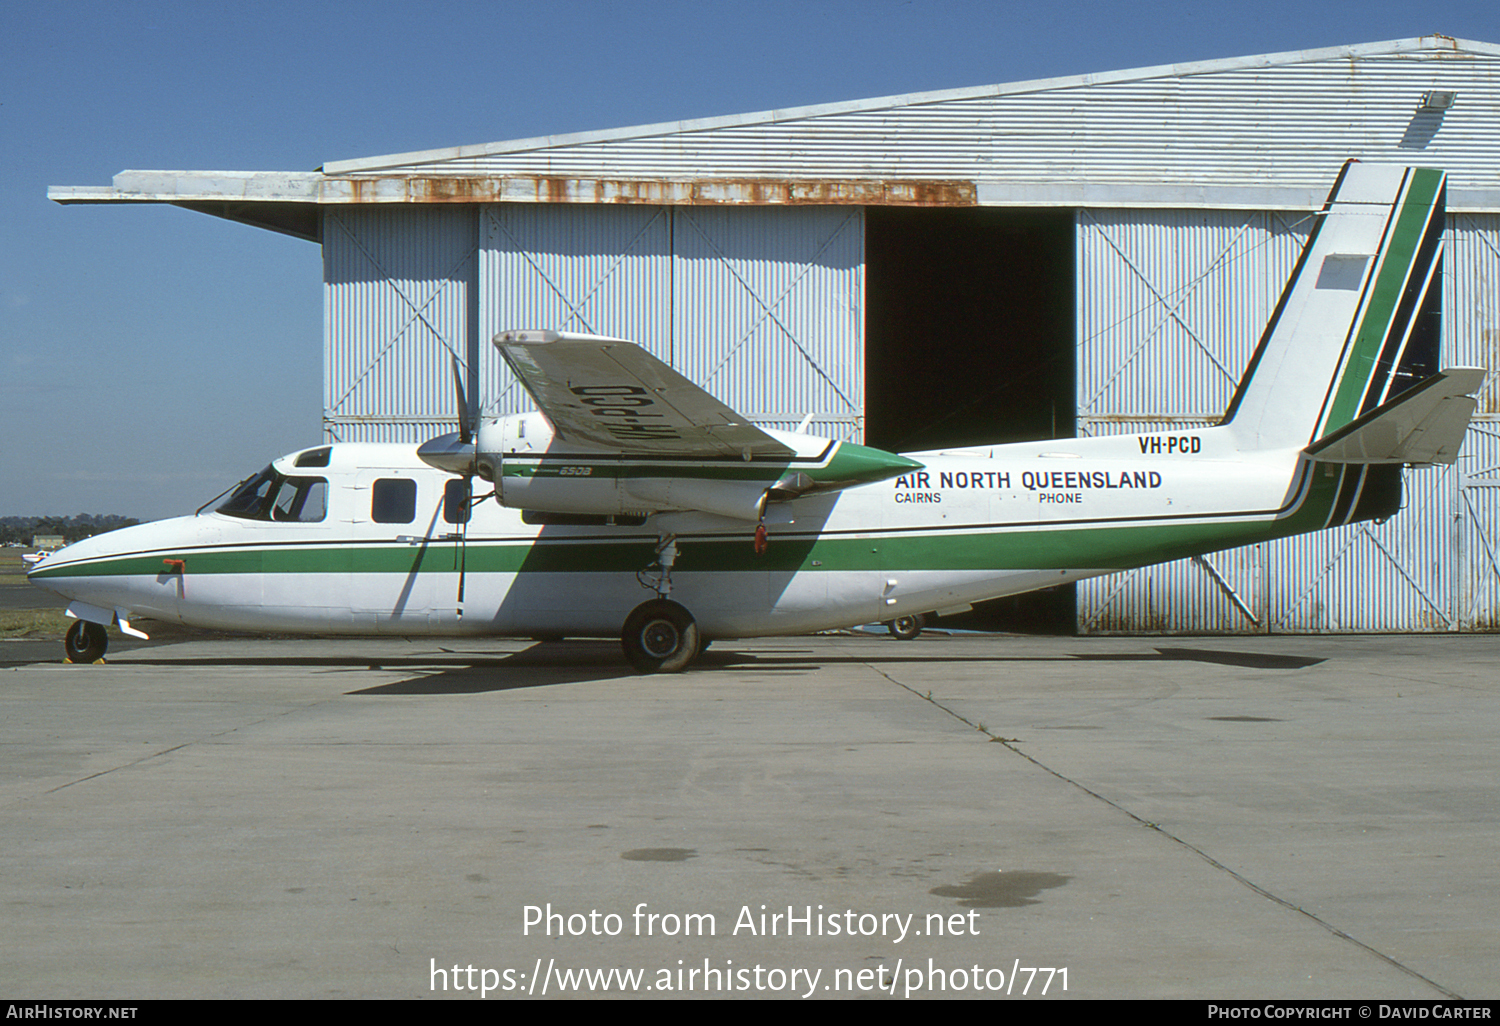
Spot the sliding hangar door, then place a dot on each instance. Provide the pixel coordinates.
(915, 328)
(1172, 304)
(764, 307)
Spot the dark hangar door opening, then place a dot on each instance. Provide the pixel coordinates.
(969, 338)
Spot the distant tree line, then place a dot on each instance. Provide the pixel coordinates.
(84, 525)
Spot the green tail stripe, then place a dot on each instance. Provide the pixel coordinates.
(1402, 246)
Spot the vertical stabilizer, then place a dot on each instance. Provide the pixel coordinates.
(1358, 322)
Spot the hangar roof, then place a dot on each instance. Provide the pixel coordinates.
(1260, 132)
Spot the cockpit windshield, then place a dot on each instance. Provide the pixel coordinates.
(270, 495)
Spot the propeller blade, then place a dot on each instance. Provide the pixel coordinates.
(465, 418)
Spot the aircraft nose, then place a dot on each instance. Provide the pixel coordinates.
(127, 570)
(46, 573)
(31, 576)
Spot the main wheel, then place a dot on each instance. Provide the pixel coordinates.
(86, 642)
(660, 636)
(904, 628)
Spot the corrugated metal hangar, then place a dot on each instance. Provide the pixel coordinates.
(1083, 255)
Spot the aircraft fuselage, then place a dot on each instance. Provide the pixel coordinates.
(969, 525)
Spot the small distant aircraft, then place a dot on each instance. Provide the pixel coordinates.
(632, 479)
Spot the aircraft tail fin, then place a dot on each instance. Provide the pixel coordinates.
(1359, 321)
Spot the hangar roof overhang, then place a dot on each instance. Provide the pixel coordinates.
(288, 202)
(1260, 132)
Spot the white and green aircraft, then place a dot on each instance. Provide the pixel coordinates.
(637, 505)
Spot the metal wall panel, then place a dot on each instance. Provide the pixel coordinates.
(598, 270)
(1220, 593)
(1171, 306)
(1173, 303)
(1401, 576)
(1471, 300)
(396, 300)
(1370, 577)
(1149, 281)
(768, 311)
(378, 428)
(1479, 529)
(763, 307)
(1472, 329)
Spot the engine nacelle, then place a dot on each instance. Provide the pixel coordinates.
(567, 489)
(533, 470)
(585, 488)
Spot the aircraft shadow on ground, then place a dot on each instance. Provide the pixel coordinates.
(550, 663)
(1249, 660)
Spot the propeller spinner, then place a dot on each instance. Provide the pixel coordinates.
(454, 452)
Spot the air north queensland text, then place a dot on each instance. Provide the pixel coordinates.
(1034, 480)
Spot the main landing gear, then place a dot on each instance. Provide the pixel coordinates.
(661, 636)
(86, 642)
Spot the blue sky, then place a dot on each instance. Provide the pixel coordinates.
(150, 356)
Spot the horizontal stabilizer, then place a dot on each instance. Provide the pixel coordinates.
(1425, 424)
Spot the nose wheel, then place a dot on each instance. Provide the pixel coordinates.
(660, 636)
(86, 642)
(905, 628)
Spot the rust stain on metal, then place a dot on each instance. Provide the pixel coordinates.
(363, 190)
(657, 191)
(451, 190)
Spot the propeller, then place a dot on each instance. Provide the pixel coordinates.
(455, 453)
(465, 416)
(465, 441)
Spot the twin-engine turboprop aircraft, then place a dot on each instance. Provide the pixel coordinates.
(632, 480)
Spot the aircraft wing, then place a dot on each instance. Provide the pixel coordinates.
(611, 393)
(1425, 424)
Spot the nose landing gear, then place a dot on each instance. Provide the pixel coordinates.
(86, 642)
(905, 628)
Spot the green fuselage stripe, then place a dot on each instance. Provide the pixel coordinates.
(1021, 546)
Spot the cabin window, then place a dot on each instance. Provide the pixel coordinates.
(314, 457)
(302, 500)
(393, 500)
(456, 501)
(273, 496)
